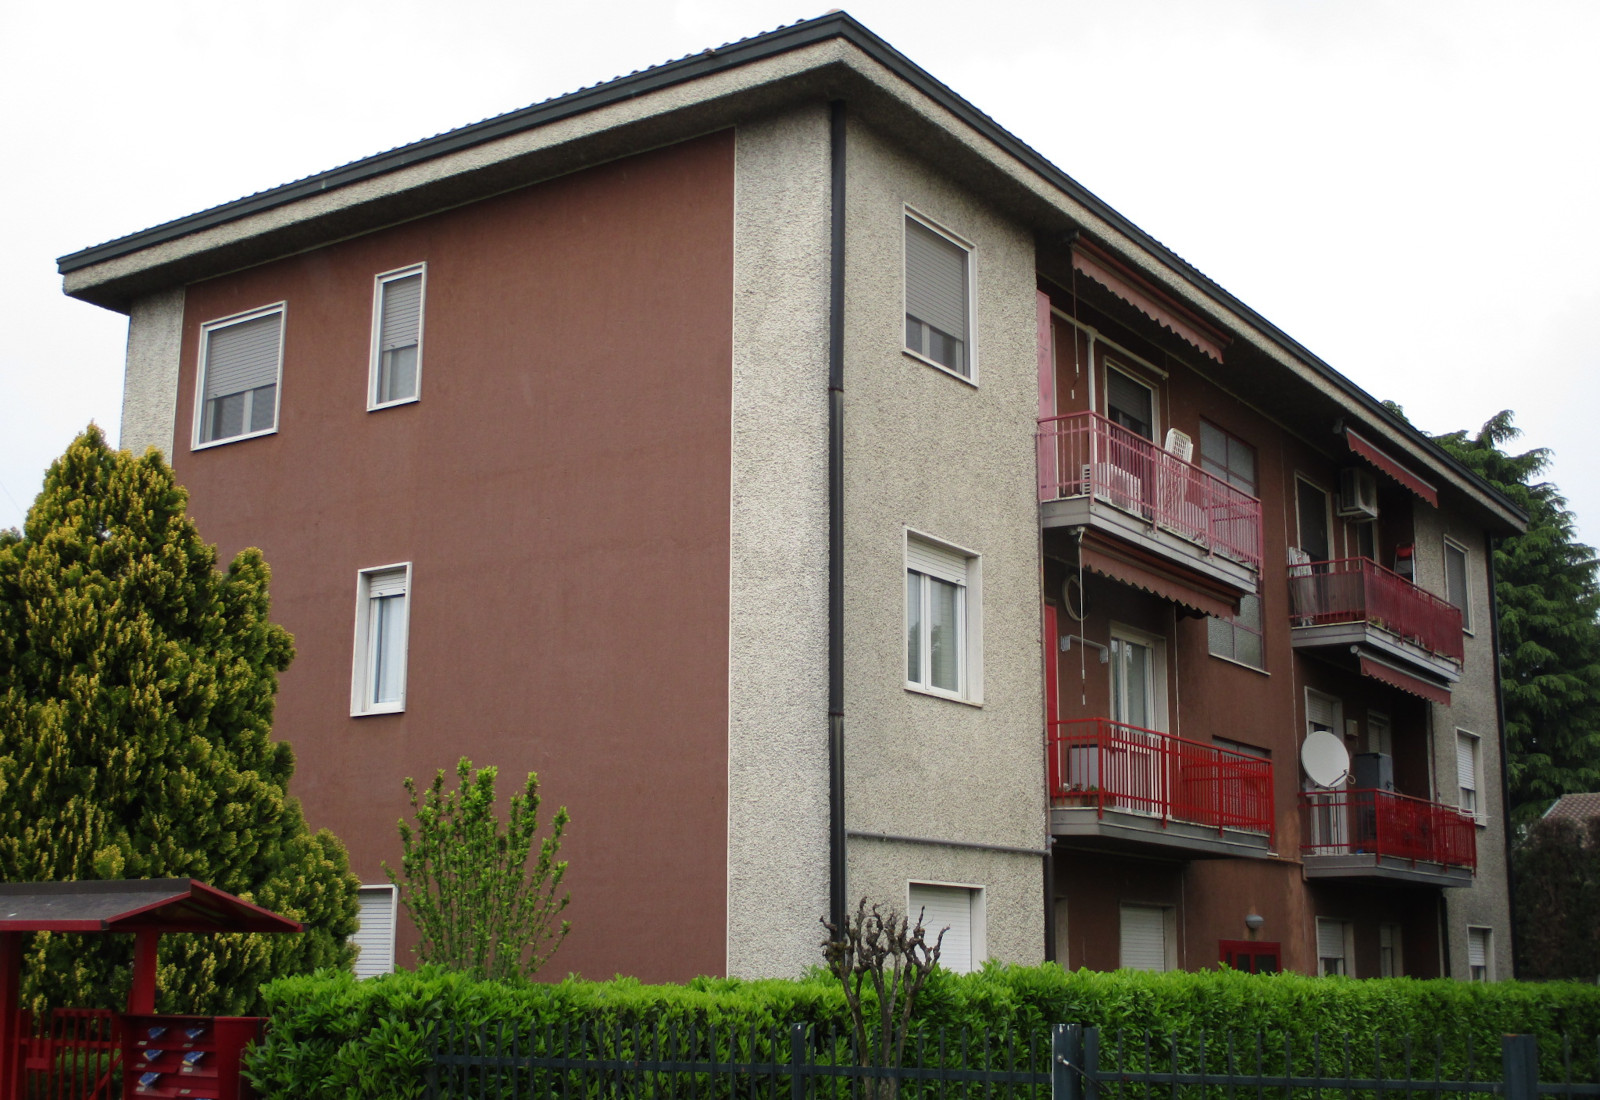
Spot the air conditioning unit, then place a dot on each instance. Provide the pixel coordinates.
(1179, 445)
(1358, 495)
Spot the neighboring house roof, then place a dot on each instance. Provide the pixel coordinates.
(832, 56)
(1581, 808)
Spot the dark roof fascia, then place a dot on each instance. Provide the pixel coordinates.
(758, 48)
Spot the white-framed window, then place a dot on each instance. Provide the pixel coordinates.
(1147, 940)
(1130, 402)
(1457, 587)
(374, 935)
(382, 617)
(958, 908)
(944, 615)
(1137, 666)
(1469, 767)
(1334, 947)
(236, 386)
(938, 297)
(396, 366)
(1391, 963)
(1242, 637)
(1480, 954)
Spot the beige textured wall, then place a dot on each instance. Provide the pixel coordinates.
(150, 380)
(778, 584)
(1473, 708)
(930, 452)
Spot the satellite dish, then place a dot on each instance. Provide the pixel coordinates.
(1072, 601)
(1324, 759)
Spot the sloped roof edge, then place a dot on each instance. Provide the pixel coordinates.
(834, 25)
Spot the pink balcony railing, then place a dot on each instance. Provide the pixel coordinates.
(1084, 454)
(1354, 590)
(1114, 766)
(1384, 823)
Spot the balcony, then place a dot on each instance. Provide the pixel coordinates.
(1374, 834)
(1355, 602)
(1101, 476)
(1114, 785)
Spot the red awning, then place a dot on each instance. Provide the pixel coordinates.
(1149, 301)
(1413, 685)
(1156, 582)
(1389, 466)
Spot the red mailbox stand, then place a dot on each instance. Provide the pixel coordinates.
(80, 1049)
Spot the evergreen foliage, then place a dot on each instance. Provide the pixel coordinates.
(1557, 871)
(478, 906)
(136, 698)
(1549, 627)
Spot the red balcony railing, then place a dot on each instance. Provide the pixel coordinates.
(1114, 766)
(1354, 590)
(1384, 823)
(1084, 454)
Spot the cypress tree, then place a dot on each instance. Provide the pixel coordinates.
(136, 697)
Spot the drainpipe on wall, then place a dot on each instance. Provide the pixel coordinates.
(836, 839)
(1505, 770)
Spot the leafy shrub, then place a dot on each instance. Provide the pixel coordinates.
(332, 1036)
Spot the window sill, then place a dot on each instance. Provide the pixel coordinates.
(379, 407)
(397, 708)
(197, 446)
(947, 696)
(938, 366)
(1239, 664)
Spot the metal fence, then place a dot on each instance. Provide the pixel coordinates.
(1070, 1062)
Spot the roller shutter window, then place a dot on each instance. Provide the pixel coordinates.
(947, 907)
(1131, 404)
(936, 617)
(1144, 938)
(938, 297)
(375, 931)
(1332, 937)
(382, 637)
(240, 367)
(1479, 953)
(1455, 581)
(398, 351)
(1467, 772)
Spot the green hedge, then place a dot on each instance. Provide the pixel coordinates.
(331, 1036)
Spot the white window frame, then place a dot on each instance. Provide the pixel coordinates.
(389, 933)
(1466, 578)
(361, 700)
(1488, 953)
(977, 896)
(375, 361)
(969, 611)
(201, 365)
(1169, 930)
(971, 250)
(1347, 939)
(1160, 719)
(1476, 808)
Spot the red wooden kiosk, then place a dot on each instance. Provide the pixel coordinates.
(159, 1056)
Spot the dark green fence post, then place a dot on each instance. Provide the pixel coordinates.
(1066, 1059)
(1519, 1056)
(433, 1062)
(797, 1060)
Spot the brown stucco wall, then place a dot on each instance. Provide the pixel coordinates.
(562, 491)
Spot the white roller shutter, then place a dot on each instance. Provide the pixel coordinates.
(402, 312)
(243, 356)
(1144, 938)
(936, 561)
(1321, 712)
(936, 280)
(375, 932)
(1478, 947)
(1331, 943)
(943, 906)
(1467, 761)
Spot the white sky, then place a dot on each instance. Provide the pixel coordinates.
(1408, 187)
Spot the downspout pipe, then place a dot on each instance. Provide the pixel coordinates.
(836, 834)
(1505, 758)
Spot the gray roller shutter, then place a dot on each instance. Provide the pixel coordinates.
(1144, 938)
(375, 932)
(946, 906)
(936, 561)
(1478, 947)
(243, 356)
(936, 280)
(402, 312)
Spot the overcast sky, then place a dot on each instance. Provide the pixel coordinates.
(1408, 187)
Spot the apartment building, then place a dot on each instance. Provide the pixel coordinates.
(830, 497)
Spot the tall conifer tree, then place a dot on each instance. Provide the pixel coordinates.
(136, 698)
(1549, 627)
